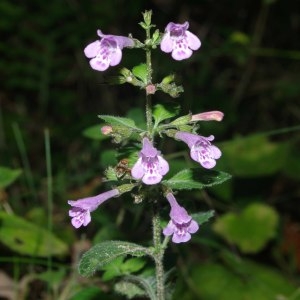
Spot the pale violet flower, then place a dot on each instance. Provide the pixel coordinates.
(178, 40)
(181, 225)
(202, 151)
(107, 51)
(81, 209)
(150, 167)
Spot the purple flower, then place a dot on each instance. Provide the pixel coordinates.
(178, 40)
(107, 51)
(150, 167)
(202, 150)
(181, 224)
(81, 209)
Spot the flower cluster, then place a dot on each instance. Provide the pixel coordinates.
(150, 166)
(108, 50)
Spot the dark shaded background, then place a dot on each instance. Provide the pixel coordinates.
(247, 67)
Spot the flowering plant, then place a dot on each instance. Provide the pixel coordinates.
(147, 174)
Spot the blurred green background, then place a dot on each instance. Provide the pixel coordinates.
(248, 67)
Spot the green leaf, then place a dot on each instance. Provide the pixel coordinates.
(133, 286)
(113, 269)
(203, 217)
(119, 267)
(120, 121)
(8, 176)
(250, 230)
(29, 239)
(140, 72)
(105, 252)
(90, 293)
(129, 289)
(244, 280)
(94, 132)
(163, 112)
(253, 156)
(188, 179)
(134, 264)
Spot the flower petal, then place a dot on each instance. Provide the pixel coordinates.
(181, 53)
(116, 57)
(153, 178)
(166, 44)
(163, 165)
(216, 152)
(178, 238)
(98, 64)
(169, 229)
(193, 227)
(137, 171)
(193, 41)
(92, 49)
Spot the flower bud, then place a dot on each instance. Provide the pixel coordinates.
(214, 115)
(106, 130)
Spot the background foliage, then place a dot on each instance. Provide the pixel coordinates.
(247, 67)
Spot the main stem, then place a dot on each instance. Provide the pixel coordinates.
(149, 82)
(158, 248)
(159, 253)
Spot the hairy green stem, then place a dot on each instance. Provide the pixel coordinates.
(159, 254)
(149, 82)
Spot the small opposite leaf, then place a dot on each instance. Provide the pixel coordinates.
(203, 217)
(119, 121)
(163, 112)
(196, 179)
(133, 286)
(129, 289)
(8, 176)
(140, 72)
(103, 253)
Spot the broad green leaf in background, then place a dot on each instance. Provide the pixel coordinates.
(245, 281)
(94, 132)
(29, 239)
(140, 72)
(196, 178)
(163, 112)
(251, 229)
(253, 156)
(8, 176)
(105, 252)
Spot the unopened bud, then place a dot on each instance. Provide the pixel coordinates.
(208, 116)
(150, 89)
(106, 130)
